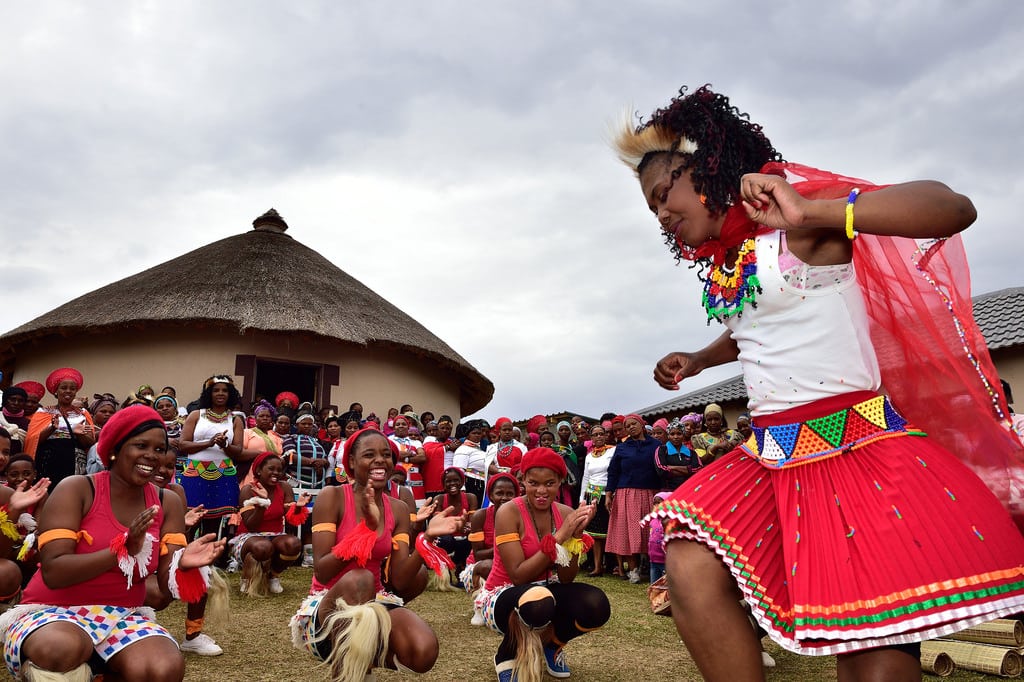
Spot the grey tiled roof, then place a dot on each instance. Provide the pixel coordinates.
(999, 314)
(723, 391)
(1000, 317)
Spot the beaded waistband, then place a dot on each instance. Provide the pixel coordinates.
(788, 445)
(211, 471)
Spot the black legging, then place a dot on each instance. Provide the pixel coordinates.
(575, 609)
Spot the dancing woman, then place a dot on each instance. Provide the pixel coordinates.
(349, 621)
(530, 596)
(804, 519)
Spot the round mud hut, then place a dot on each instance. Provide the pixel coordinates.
(262, 306)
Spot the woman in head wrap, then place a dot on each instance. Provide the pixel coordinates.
(98, 538)
(715, 440)
(632, 481)
(593, 484)
(470, 458)
(34, 393)
(59, 437)
(102, 409)
(262, 437)
(676, 462)
(659, 430)
(505, 453)
(307, 457)
(530, 596)
(13, 418)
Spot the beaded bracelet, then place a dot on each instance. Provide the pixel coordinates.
(850, 201)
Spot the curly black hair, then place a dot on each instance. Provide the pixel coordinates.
(206, 400)
(728, 146)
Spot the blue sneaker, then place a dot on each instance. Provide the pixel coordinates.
(555, 657)
(505, 670)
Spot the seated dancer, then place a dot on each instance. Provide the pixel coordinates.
(19, 500)
(530, 596)
(100, 536)
(457, 545)
(196, 641)
(500, 489)
(349, 621)
(262, 546)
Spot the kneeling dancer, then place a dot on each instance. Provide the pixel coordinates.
(537, 540)
(349, 621)
(99, 537)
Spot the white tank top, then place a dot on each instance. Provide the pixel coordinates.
(206, 429)
(802, 344)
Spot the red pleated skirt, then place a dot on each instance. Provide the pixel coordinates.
(888, 539)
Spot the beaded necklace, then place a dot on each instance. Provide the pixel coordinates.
(217, 417)
(728, 290)
(551, 513)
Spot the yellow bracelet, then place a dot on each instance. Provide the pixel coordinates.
(850, 201)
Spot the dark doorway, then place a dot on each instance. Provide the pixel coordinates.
(274, 377)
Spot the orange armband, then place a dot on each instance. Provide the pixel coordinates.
(397, 538)
(507, 537)
(325, 528)
(63, 534)
(477, 536)
(172, 539)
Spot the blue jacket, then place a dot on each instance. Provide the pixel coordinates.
(633, 465)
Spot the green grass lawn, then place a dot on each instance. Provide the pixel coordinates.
(634, 645)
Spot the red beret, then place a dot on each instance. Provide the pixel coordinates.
(546, 458)
(503, 476)
(120, 425)
(63, 374)
(350, 443)
(33, 388)
(286, 395)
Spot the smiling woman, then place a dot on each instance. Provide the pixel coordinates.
(99, 537)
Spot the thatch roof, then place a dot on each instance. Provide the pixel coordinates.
(234, 284)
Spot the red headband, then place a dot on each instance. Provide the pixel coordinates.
(350, 443)
(120, 425)
(636, 417)
(62, 374)
(460, 472)
(500, 421)
(260, 459)
(543, 457)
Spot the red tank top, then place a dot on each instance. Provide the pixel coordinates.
(107, 588)
(381, 549)
(273, 516)
(531, 545)
(489, 526)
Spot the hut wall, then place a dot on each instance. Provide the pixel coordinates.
(184, 357)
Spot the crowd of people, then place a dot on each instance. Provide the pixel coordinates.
(245, 479)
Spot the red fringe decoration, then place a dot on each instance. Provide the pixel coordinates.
(118, 545)
(433, 556)
(191, 585)
(588, 541)
(297, 515)
(357, 544)
(547, 546)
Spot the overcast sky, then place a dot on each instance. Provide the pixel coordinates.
(453, 156)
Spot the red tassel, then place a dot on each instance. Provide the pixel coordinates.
(296, 515)
(547, 546)
(588, 542)
(191, 585)
(357, 544)
(118, 545)
(433, 556)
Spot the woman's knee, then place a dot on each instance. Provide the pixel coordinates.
(59, 647)
(10, 580)
(413, 643)
(287, 546)
(169, 666)
(260, 549)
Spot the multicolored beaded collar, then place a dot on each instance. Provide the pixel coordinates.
(728, 290)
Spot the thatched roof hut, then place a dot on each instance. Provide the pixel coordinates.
(268, 298)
